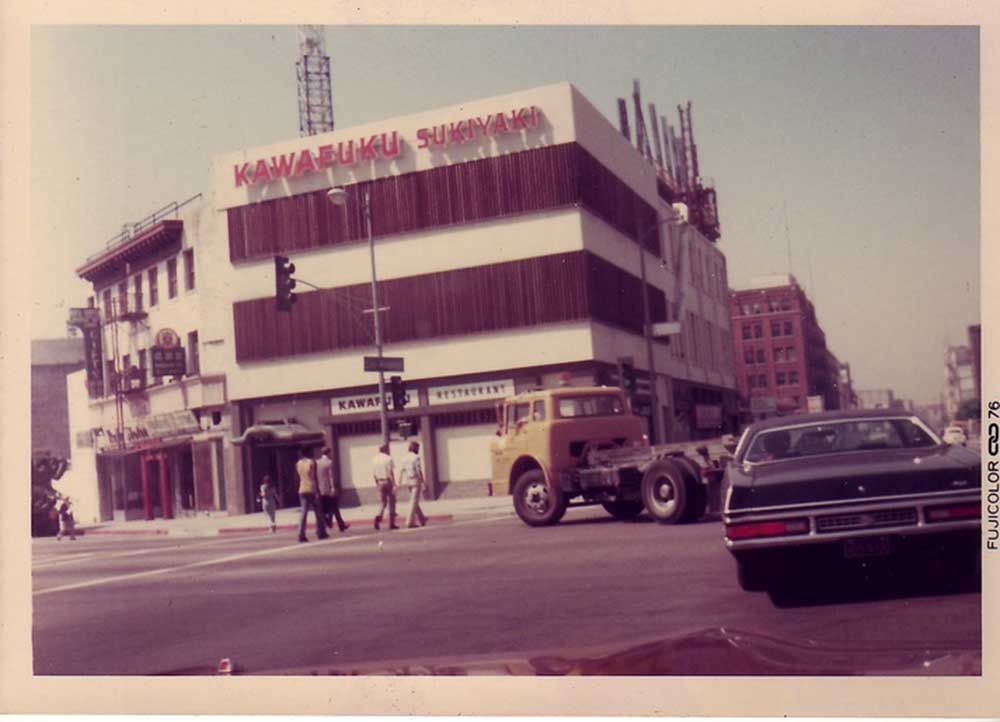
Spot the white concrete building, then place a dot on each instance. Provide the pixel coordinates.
(507, 240)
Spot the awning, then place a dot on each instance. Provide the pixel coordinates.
(280, 433)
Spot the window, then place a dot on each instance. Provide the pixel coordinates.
(756, 309)
(574, 406)
(779, 378)
(521, 412)
(189, 269)
(538, 411)
(106, 300)
(775, 328)
(747, 332)
(142, 365)
(779, 354)
(788, 328)
(137, 287)
(123, 297)
(172, 278)
(760, 356)
(790, 353)
(793, 377)
(745, 309)
(154, 290)
(194, 365)
(786, 304)
(762, 381)
(758, 330)
(751, 382)
(748, 356)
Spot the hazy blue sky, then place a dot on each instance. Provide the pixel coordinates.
(867, 140)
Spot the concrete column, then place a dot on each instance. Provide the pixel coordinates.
(147, 501)
(166, 500)
(428, 453)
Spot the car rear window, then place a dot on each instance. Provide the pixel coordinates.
(576, 406)
(831, 438)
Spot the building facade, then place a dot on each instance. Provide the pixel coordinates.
(52, 360)
(780, 349)
(515, 240)
(877, 399)
(960, 379)
(157, 432)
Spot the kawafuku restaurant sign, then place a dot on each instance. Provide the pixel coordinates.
(383, 146)
(360, 403)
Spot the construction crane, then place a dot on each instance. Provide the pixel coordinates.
(313, 70)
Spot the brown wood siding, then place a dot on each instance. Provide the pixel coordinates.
(509, 185)
(546, 289)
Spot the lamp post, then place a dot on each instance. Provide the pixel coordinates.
(656, 417)
(338, 196)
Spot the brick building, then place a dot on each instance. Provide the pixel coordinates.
(780, 350)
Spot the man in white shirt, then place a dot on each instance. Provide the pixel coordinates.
(411, 474)
(328, 491)
(385, 479)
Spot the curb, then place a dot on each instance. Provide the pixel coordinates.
(441, 518)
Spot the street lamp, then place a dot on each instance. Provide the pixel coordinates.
(658, 430)
(338, 196)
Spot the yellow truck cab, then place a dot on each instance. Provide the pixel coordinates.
(544, 436)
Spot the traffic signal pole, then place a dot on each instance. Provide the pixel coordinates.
(383, 417)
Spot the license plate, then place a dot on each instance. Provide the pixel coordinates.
(877, 546)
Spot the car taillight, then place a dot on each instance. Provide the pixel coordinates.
(953, 511)
(757, 529)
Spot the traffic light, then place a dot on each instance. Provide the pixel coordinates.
(283, 283)
(398, 393)
(626, 375)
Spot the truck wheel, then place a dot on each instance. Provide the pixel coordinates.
(537, 503)
(624, 509)
(664, 492)
(697, 494)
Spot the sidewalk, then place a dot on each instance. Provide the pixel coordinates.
(440, 511)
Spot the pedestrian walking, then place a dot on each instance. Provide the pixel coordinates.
(67, 524)
(268, 500)
(411, 475)
(306, 470)
(328, 491)
(385, 479)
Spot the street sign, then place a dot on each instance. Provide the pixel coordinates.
(169, 361)
(167, 338)
(85, 317)
(385, 363)
(665, 329)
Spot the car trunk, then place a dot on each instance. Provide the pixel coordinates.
(860, 475)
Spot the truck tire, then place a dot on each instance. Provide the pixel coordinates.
(624, 509)
(537, 503)
(697, 493)
(664, 491)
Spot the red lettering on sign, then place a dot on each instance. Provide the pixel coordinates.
(367, 148)
(390, 150)
(349, 158)
(456, 132)
(261, 172)
(281, 166)
(326, 159)
(517, 120)
(422, 140)
(305, 164)
(500, 124)
(240, 172)
(534, 116)
(484, 125)
(439, 140)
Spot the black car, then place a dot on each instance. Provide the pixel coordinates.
(844, 488)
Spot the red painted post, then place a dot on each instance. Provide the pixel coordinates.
(166, 498)
(147, 500)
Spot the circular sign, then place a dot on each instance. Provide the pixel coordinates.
(167, 338)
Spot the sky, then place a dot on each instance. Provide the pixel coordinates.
(858, 148)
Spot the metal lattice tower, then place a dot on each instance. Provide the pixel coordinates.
(313, 70)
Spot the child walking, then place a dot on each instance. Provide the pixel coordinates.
(269, 500)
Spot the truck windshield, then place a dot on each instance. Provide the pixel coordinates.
(575, 406)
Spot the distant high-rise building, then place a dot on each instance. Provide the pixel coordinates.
(876, 399)
(975, 346)
(960, 379)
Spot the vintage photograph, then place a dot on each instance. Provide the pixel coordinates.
(505, 350)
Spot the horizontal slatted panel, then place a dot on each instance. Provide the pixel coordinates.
(518, 294)
(484, 189)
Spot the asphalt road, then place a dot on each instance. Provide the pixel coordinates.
(488, 587)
